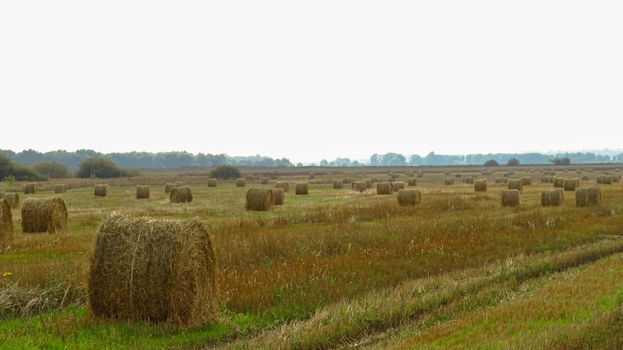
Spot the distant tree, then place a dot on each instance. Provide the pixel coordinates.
(299, 165)
(19, 172)
(513, 162)
(561, 161)
(225, 172)
(99, 167)
(324, 162)
(492, 162)
(53, 170)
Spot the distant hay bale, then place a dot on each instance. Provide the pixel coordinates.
(551, 198)
(412, 182)
(615, 179)
(409, 197)
(420, 174)
(468, 180)
(337, 185)
(44, 215)
(501, 180)
(359, 186)
(587, 197)
(142, 192)
(29, 188)
(181, 194)
(212, 182)
(12, 198)
(154, 270)
(302, 188)
(283, 185)
(168, 187)
(279, 196)
(558, 182)
(547, 179)
(570, 184)
(60, 188)
(515, 184)
(347, 181)
(264, 181)
(383, 188)
(510, 198)
(179, 183)
(526, 181)
(369, 183)
(100, 190)
(6, 225)
(604, 180)
(397, 186)
(480, 185)
(259, 199)
(448, 182)
(241, 182)
(585, 178)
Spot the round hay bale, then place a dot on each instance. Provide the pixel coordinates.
(397, 186)
(615, 179)
(212, 182)
(142, 192)
(168, 187)
(181, 194)
(515, 184)
(241, 182)
(155, 270)
(501, 180)
(347, 181)
(12, 198)
(283, 185)
(60, 188)
(383, 188)
(409, 197)
(526, 181)
(558, 182)
(259, 199)
(480, 185)
(570, 184)
(44, 215)
(412, 182)
(448, 182)
(552, 198)
(369, 184)
(337, 185)
(510, 198)
(101, 190)
(279, 196)
(547, 179)
(586, 178)
(302, 188)
(468, 180)
(29, 188)
(359, 186)
(587, 197)
(6, 225)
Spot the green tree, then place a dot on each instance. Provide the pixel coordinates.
(225, 172)
(513, 162)
(492, 162)
(53, 170)
(99, 167)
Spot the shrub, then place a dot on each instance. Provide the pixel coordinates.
(16, 171)
(53, 170)
(492, 162)
(225, 172)
(513, 162)
(99, 167)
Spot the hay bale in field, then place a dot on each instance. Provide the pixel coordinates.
(586, 197)
(397, 186)
(347, 181)
(409, 197)
(448, 182)
(241, 182)
(283, 185)
(29, 188)
(570, 184)
(142, 192)
(526, 181)
(100, 190)
(6, 224)
(547, 179)
(480, 185)
(468, 180)
(337, 185)
(412, 182)
(604, 180)
(420, 174)
(369, 183)
(302, 188)
(279, 196)
(558, 182)
(212, 182)
(181, 194)
(384, 188)
(60, 188)
(615, 179)
(551, 198)
(515, 184)
(359, 186)
(510, 198)
(154, 270)
(12, 198)
(264, 181)
(44, 215)
(586, 178)
(168, 187)
(501, 180)
(259, 199)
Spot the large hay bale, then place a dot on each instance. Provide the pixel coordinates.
(480, 185)
(515, 184)
(60, 188)
(29, 188)
(212, 182)
(6, 224)
(284, 185)
(570, 184)
(155, 270)
(448, 182)
(279, 196)
(302, 188)
(586, 197)
(397, 186)
(558, 182)
(241, 182)
(526, 181)
(12, 198)
(168, 187)
(101, 190)
(44, 215)
(142, 192)
(383, 188)
(604, 180)
(551, 198)
(259, 199)
(408, 197)
(359, 186)
(181, 194)
(510, 198)
(412, 182)
(337, 185)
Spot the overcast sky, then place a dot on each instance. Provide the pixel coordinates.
(310, 80)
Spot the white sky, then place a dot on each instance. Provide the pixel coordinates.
(310, 80)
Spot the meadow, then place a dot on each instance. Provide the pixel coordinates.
(342, 269)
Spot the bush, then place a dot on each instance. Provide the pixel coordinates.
(492, 162)
(53, 170)
(17, 172)
(225, 172)
(99, 167)
(561, 161)
(513, 162)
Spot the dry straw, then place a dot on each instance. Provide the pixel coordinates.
(279, 196)
(337, 185)
(587, 197)
(6, 225)
(259, 199)
(397, 186)
(547, 179)
(181, 194)
(526, 181)
(501, 180)
(264, 181)
(100, 190)
(359, 186)
(515, 184)
(44, 215)
(409, 197)
(168, 187)
(29, 188)
(12, 198)
(302, 188)
(60, 188)
(510, 198)
(142, 192)
(384, 188)
(154, 270)
(448, 182)
(480, 185)
(347, 181)
(571, 184)
(552, 198)
(412, 182)
(241, 182)
(212, 182)
(558, 182)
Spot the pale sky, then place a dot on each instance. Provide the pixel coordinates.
(309, 80)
